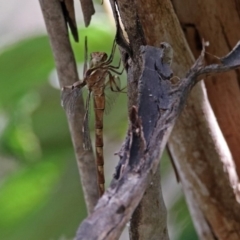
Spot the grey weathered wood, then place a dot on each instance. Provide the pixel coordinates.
(156, 224)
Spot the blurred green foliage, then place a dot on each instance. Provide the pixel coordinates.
(40, 192)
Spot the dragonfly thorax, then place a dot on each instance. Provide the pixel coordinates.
(96, 80)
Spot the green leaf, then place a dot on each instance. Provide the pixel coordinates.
(24, 66)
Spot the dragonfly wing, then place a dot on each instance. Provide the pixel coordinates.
(112, 90)
(69, 98)
(87, 144)
(85, 67)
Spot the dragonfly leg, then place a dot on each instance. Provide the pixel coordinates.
(115, 67)
(103, 66)
(112, 53)
(121, 90)
(113, 85)
(77, 84)
(117, 72)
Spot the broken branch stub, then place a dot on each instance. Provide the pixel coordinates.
(159, 104)
(69, 14)
(87, 10)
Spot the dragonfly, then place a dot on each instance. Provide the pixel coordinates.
(103, 83)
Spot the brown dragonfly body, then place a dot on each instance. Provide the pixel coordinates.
(96, 85)
(97, 78)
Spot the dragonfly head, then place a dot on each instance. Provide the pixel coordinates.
(96, 58)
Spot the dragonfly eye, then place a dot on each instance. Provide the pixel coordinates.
(88, 72)
(104, 57)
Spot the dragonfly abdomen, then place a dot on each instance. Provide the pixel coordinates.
(99, 106)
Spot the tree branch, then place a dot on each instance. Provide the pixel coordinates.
(149, 220)
(152, 216)
(160, 103)
(67, 74)
(196, 143)
(218, 28)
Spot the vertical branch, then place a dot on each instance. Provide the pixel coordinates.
(149, 220)
(150, 217)
(67, 74)
(196, 135)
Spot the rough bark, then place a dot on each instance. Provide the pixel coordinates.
(197, 125)
(67, 74)
(219, 26)
(149, 220)
(197, 143)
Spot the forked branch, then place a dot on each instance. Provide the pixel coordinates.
(159, 105)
